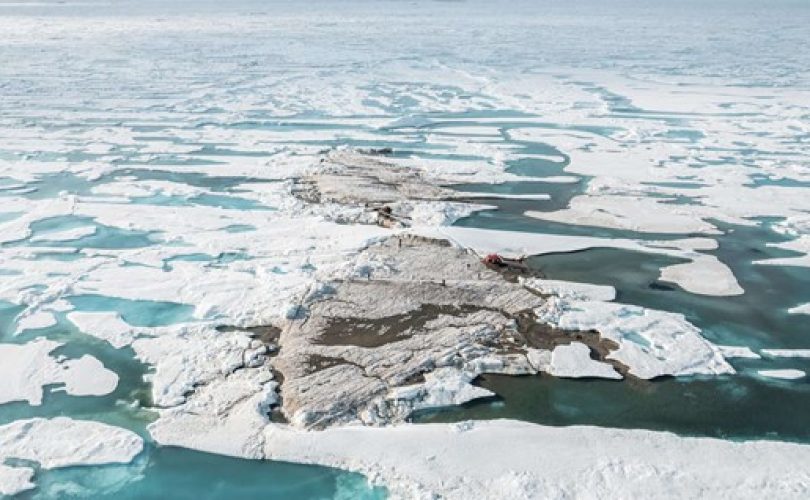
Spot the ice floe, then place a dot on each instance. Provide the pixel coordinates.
(35, 321)
(28, 368)
(108, 326)
(60, 442)
(785, 374)
(802, 309)
(641, 214)
(786, 353)
(574, 361)
(704, 275)
(650, 343)
(537, 461)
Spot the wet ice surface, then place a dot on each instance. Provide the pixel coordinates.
(145, 152)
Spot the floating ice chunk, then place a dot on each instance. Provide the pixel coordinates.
(786, 353)
(787, 374)
(800, 245)
(572, 290)
(35, 321)
(574, 361)
(14, 480)
(87, 376)
(802, 309)
(108, 326)
(651, 343)
(449, 386)
(27, 368)
(705, 275)
(60, 442)
(18, 228)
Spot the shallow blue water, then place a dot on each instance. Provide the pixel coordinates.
(136, 312)
(188, 474)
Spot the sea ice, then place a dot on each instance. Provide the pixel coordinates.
(27, 368)
(786, 353)
(574, 361)
(729, 351)
(651, 343)
(786, 374)
(571, 290)
(802, 309)
(65, 235)
(35, 321)
(108, 326)
(542, 461)
(60, 442)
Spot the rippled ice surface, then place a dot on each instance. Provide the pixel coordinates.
(695, 108)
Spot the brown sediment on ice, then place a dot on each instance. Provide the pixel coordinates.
(412, 322)
(267, 334)
(431, 308)
(363, 332)
(349, 178)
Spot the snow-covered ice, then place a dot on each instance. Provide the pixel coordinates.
(574, 361)
(571, 290)
(651, 343)
(504, 458)
(179, 174)
(60, 442)
(802, 309)
(27, 368)
(786, 353)
(785, 374)
(108, 326)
